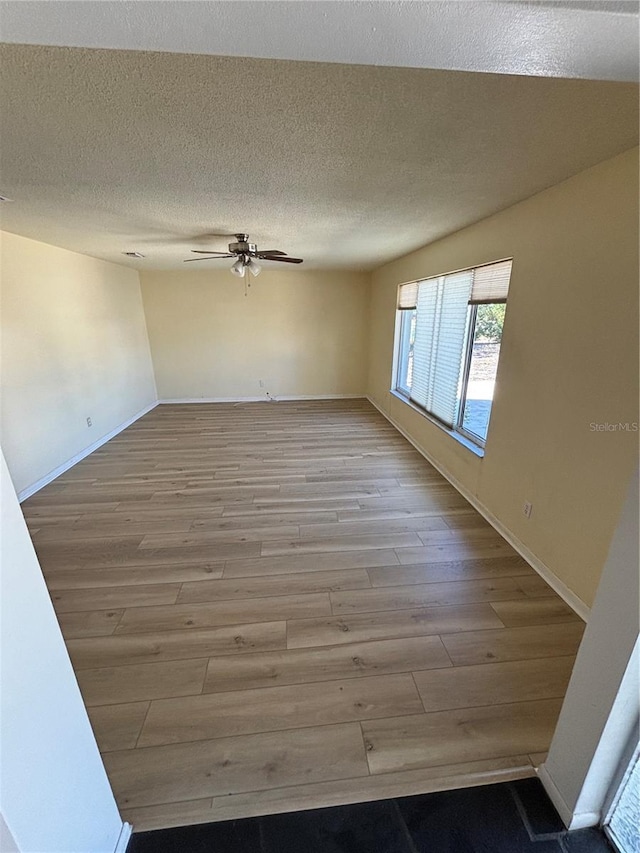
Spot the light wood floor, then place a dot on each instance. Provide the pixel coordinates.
(277, 606)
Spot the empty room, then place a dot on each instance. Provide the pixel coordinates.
(299, 544)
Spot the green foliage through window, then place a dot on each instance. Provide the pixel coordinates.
(489, 322)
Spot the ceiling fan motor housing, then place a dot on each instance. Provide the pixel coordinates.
(242, 247)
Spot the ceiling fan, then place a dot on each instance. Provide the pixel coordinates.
(246, 254)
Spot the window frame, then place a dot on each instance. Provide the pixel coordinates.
(404, 348)
(469, 439)
(466, 367)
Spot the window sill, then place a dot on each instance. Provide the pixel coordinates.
(465, 442)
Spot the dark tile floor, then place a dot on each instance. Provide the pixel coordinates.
(514, 817)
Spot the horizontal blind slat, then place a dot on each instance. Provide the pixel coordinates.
(427, 298)
(491, 282)
(408, 296)
(456, 290)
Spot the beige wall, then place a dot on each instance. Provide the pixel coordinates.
(569, 359)
(74, 345)
(301, 333)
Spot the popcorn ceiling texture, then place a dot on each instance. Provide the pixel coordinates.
(346, 166)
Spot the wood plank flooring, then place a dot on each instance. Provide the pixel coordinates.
(279, 606)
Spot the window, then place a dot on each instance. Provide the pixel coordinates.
(450, 330)
(407, 341)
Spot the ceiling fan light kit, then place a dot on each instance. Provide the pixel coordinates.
(237, 268)
(243, 265)
(245, 254)
(253, 267)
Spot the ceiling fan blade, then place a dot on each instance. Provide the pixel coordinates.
(211, 258)
(270, 252)
(284, 260)
(213, 254)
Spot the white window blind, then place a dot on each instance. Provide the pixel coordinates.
(408, 295)
(491, 283)
(425, 342)
(441, 327)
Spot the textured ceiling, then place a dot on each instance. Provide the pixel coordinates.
(344, 165)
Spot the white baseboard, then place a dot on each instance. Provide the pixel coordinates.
(555, 796)
(123, 838)
(264, 399)
(585, 820)
(571, 821)
(48, 478)
(576, 603)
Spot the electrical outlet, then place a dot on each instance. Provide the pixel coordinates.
(527, 509)
(89, 422)
(261, 383)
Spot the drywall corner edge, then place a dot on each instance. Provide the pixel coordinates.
(567, 595)
(48, 478)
